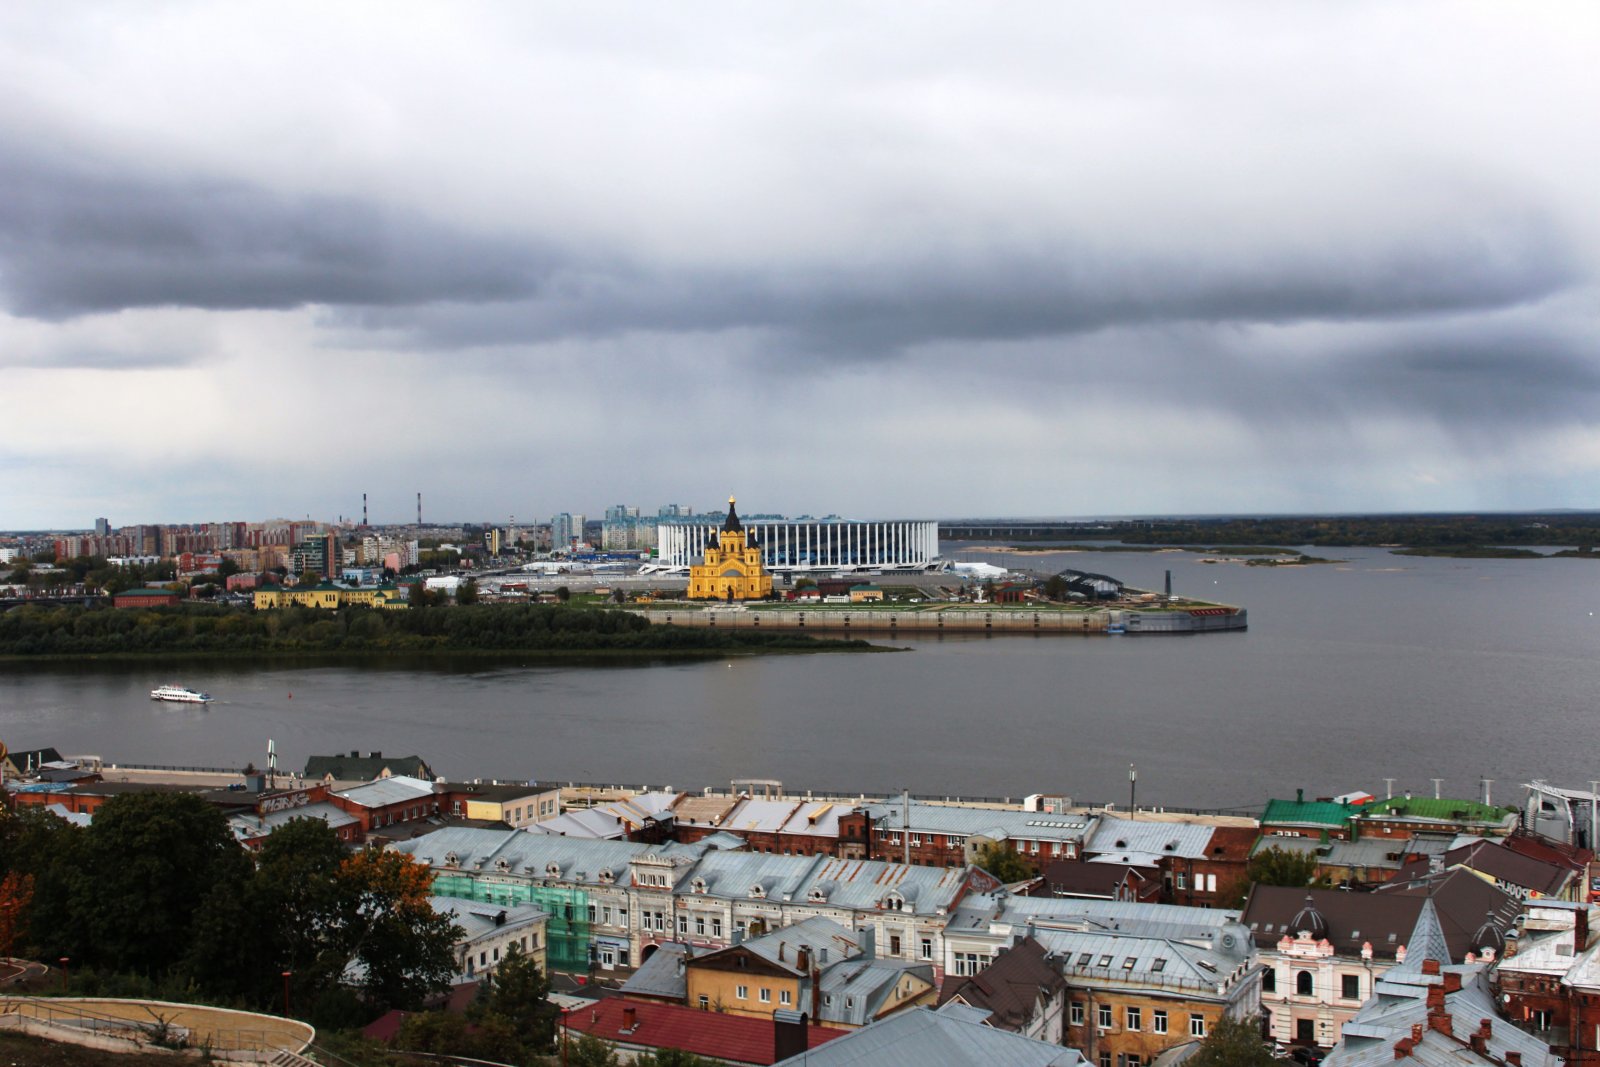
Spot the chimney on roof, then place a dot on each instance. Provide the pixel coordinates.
(788, 1034)
(1435, 998)
(1300, 796)
(1430, 966)
(802, 959)
(1478, 1043)
(1580, 929)
(1416, 1031)
(1403, 1047)
(1514, 1059)
(1452, 981)
(630, 1019)
(781, 945)
(1486, 1028)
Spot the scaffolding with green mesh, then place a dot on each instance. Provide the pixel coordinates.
(567, 934)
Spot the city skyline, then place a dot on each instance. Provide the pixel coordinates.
(895, 262)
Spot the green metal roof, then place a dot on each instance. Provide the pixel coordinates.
(1444, 809)
(1318, 812)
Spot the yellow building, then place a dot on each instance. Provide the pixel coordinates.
(330, 596)
(733, 569)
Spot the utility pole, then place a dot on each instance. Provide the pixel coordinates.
(905, 824)
(1594, 810)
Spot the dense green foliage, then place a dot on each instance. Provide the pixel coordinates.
(92, 571)
(1233, 1043)
(1004, 864)
(155, 898)
(38, 630)
(1470, 552)
(1376, 530)
(1274, 866)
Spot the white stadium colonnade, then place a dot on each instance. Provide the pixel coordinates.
(812, 546)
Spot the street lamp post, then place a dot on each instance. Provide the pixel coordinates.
(286, 975)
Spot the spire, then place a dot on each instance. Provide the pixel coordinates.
(1427, 940)
(731, 525)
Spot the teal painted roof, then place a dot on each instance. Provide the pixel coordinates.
(1318, 812)
(1443, 809)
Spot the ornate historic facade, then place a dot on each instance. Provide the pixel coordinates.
(732, 570)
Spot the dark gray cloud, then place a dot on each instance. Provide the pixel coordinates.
(76, 240)
(852, 312)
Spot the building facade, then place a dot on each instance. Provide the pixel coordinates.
(732, 569)
(809, 546)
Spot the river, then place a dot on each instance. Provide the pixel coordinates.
(1379, 666)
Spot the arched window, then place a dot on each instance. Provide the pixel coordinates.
(1303, 984)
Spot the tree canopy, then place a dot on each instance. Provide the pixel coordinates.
(1232, 1043)
(1274, 866)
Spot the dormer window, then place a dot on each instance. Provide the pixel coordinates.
(605, 876)
(452, 860)
(758, 892)
(817, 896)
(552, 870)
(698, 885)
(502, 865)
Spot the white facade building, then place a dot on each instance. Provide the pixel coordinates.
(808, 546)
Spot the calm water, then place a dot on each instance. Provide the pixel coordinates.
(1382, 666)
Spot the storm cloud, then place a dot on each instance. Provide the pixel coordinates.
(1350, 251)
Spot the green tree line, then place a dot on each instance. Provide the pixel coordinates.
(40, 630)
(156, 899)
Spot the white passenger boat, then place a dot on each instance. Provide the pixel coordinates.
(180, 695)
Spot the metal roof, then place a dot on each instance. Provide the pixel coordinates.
(1120, 959)
(998, 823)
(980, 911)
(1307, 812)
(921, 1036)
(479, 920)
(1113, 834)
(396, 789)
(529, 855)
(1400, 1002)
(856, 884)
(662, 975)
(854, 990)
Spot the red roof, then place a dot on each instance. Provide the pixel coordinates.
(704, 1033)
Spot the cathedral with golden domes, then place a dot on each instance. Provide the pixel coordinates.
(732, 569)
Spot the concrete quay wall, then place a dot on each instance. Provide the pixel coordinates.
(998, 621)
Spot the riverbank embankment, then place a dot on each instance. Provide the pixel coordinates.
(955, 619)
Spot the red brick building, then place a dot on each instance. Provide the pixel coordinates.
(145, 598)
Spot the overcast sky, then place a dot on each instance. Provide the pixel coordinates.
(884, 260)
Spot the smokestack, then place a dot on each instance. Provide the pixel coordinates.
(1169, 585)
(419, 509)
(363, 509)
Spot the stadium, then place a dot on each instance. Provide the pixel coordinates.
(802, 547)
